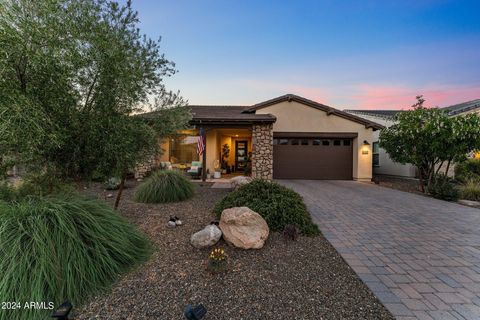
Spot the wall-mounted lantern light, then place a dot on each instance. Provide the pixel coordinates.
(365, 143)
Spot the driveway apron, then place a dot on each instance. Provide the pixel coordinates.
(420, 256)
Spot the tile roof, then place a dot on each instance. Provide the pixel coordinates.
(219, 114)
(375, 113)
(451, 110)
(462, 107)
(228, 114)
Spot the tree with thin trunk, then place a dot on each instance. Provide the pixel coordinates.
(429, 139)
(72, 75)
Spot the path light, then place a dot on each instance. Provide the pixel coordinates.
(196, 313)
(62, 311)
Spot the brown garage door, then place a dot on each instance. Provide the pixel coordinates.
(312, 158)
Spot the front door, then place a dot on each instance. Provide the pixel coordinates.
(241, 155)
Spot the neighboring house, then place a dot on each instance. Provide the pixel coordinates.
(382, 164)
(288, 137)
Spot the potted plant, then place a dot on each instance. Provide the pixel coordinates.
(225, 155)
(216, 167)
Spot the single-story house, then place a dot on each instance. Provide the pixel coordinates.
(382, 164)
(288, 137)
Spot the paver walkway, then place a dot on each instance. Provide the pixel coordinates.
(420, 256)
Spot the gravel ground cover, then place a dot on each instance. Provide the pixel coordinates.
(399, 183)
(306, 279)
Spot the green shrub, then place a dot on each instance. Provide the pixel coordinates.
(443, 188)
(470, 190)
(62, 247)
(278, 205)
(27, 187)
(113, 183)
(7, 192)
(165, 186)
(469, 169)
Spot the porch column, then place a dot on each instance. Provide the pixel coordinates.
(204, 155)
(262, 151)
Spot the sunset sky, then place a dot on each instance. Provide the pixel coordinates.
(347, 54)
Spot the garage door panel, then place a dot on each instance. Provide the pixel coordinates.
(313, 162)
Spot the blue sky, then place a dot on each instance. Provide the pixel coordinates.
(348, 54)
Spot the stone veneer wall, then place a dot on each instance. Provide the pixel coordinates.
(142, 169)
(262, 151)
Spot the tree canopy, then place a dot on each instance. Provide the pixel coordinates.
(428, 138)
(72, 74)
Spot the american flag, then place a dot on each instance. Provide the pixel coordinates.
(201, 143)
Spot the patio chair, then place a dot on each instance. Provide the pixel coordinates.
(195, 170)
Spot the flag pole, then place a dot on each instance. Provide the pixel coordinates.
(204, 155)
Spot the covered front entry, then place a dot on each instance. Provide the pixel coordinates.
(313, 158)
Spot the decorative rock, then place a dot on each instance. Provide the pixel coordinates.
(110, 195)
(171, 223)
(239, 181)
(206, 237)
(243, 228)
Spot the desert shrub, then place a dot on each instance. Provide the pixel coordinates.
(27, 187)
(62, 247)
(466, 170)
(443, 188)
(470, 190)
(278, 205)
(165, 186)
(113, 183)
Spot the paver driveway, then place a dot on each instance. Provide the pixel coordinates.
(420, 256)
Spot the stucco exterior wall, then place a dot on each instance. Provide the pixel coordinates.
(212, 151)
(387, 165)
(296, 117)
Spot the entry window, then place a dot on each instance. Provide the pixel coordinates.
(336, 142)
(325, 142)
(346, 142)
(275, 142)
(295, 142)
(376, 154)
(283, 142)
(316, 142)
(304, 142)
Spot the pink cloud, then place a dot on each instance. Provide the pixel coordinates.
(401, 97)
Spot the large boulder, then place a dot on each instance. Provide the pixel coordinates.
(243, 228)
(239, 181)
(206, 237)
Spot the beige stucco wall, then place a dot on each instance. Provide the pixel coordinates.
(387, 165)
(296, 117)
(212, 151)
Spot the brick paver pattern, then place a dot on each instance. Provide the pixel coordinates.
(420, 256)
